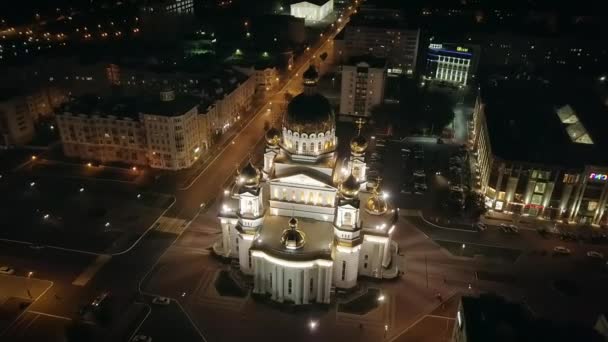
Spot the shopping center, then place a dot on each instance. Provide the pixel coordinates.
(540, 151)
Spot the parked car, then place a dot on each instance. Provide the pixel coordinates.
(100, 299)
(481, 226)
(420, 187)
(595, 255)
(6, 270)
(561, 250)
(158, 300)
(419, 173)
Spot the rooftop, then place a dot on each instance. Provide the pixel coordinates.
(129, 106)
(524, 125)
(492, 318)
(319, 237)
(374, 62)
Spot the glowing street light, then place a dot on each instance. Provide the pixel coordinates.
(381, 298)
(138, 196)
(32, 184)
(313, 325)
(46, 216)
(81, 190)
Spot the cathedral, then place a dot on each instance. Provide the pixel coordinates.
(308, 223)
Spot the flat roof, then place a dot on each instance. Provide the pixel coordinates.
(129, 106)
(319, 238)
(374, 62)
(524, 126)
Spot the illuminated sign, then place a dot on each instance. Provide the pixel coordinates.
(461, 49)
(436, 46)
(598, 176)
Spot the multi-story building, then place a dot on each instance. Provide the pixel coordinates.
(164, 133)
(16, 120)
(541, 153)
(363, 80)
(169, 6)
(312, 10)
(451, 63)
(381, 33)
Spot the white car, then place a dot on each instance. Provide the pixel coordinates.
(595, 255)
(6, 270)
(481, 226)
(419, 173)
(141, 338)
(561, 250)
(158, 300)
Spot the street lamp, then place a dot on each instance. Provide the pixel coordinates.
(381, 298)
(312, 325)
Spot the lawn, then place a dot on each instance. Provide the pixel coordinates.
(79, 215)
(471, 250)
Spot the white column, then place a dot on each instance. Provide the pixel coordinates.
(298, 286)
(281, 283)
(275, 282)
(319, 285)
(328, 279)
(306, 287)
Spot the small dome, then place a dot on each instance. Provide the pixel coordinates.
(273, 137)
(309, 113)
(249, 176)
(358, 144)
(292, 237)
(349, 188)
(376, 205)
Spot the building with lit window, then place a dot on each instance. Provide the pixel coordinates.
(540, 152)
(307, 221)
(170, 6)
(312, 10)
(381, 33)
(451, 63)
(363, 79)
(164, 133)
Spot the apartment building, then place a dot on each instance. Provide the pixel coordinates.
(363, 79)
(163, 132)
(381, 33)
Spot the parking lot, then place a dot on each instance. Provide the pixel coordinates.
(412, 169)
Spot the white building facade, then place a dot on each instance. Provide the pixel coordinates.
(312, 10)
(302, 226)
(362, 86)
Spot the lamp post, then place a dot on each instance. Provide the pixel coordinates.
(29, 275)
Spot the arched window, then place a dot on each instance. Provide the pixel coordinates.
(304, 147)
(297, 145)
(343, 269)
(319, 147)
(311, 285)
(347, 218)
(289, 286)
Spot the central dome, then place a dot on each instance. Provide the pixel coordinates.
(309, 113)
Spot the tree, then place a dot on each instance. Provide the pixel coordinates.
(474, 205)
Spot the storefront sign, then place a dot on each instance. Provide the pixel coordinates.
(462, 49)
(598, 176)
(436, 46)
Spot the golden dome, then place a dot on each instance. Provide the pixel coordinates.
(249, 176)
(349, 188)
(292, 237)
(358, 144)
(273, 137)
(376, 205)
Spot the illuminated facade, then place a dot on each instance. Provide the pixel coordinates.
(165, 133)
(449, 63)
(312, 10)
(362, 87)
(303, 223)
(536, 184)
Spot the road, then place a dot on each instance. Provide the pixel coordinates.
(122, 273)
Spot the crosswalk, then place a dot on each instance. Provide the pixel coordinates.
(171, 225)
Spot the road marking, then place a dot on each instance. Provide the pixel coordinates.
(50, 315)
(91, 270)
(26, 310)
(141, 323)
